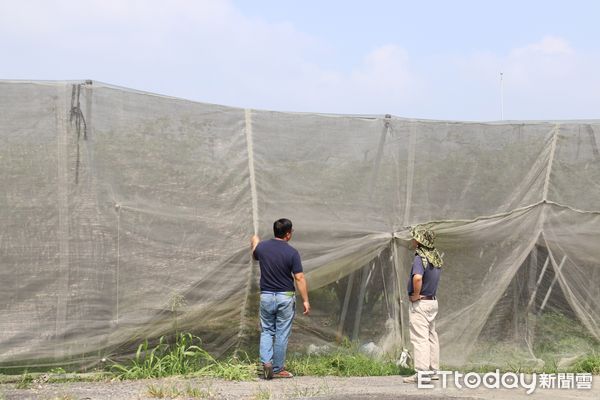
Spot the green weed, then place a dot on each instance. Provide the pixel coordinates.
(232, 369)
(160, 392)
(559, 335)
(198, 393)
(343, 363)
(163, 391)
(184, 357)
(181, 358)
(589, 364)
(57, 371)
(557, 343)
(176, 302)
(25, 381)
(310, 391)
(262, 394)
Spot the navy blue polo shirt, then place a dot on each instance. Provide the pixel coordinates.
(278, 262)
(431, 277)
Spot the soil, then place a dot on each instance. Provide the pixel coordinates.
(388, 387)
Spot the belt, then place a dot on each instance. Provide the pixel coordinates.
(427, 298)
(289, 294)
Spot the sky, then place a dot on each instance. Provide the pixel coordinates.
(414, 59)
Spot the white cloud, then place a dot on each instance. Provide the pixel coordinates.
(382, 82)
(386, 68)
(549, 45)
(209, 51)
(179, 44)
(546, 79)
(549, 79)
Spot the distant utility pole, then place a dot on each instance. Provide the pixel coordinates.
(501, 96)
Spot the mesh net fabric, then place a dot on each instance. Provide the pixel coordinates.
(127, 215)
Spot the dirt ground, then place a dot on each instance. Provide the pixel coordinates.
(389, 387)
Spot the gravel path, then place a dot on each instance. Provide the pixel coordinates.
(389, 387)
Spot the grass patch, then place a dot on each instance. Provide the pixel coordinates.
(262, 394)
(25, 381)
(343, 362)
(558, 335)
(310, 391)
(184, 357)
(170, 392)
(57, 371)
(181, 358)
(232, 369)
(519, 364)
(589, 364)
(559, 344)
(101, 376)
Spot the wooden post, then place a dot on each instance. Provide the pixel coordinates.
(537, 285)
(340, 330)
(399, 292)
(556, 273)
(530, 320)
(366, 276)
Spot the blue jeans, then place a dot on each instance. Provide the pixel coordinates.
(276, 315)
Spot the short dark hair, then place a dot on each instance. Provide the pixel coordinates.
(282, 227)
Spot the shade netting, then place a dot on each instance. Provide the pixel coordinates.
(126, 215)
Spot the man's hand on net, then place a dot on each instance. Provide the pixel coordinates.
(254, 241)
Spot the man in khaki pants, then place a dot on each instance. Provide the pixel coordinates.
(422, 287)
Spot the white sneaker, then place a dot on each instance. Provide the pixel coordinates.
(413, 378)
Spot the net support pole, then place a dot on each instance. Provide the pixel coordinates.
(410, 172)
(550, 162)
(252, 174)
(379, 155)
(397, 269)
(62, 141)
(340, 330)
(254, 198)
(537, 285)
(556, 274)
(366, 277)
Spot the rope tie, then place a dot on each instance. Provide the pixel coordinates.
(77, 115)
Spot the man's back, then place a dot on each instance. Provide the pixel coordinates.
(278, 261)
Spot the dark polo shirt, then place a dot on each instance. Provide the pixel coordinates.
(431, 277)
(278, 262)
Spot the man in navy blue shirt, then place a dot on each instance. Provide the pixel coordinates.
(422, 291)
(280, 266)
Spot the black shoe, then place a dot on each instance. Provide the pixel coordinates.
(268, 371)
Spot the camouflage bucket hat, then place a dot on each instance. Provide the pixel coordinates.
(427, 251)
(424, 236)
